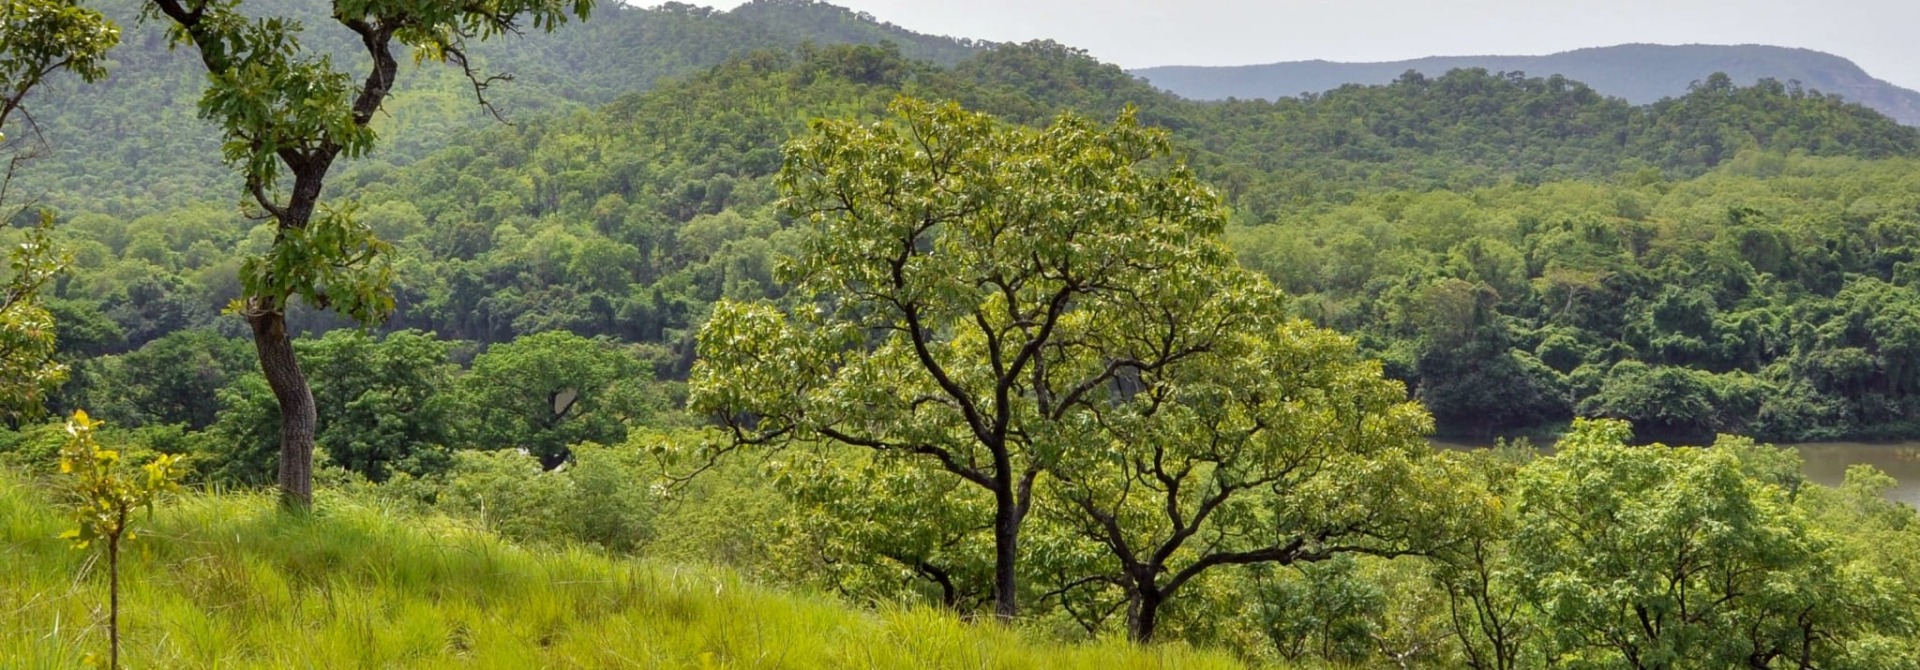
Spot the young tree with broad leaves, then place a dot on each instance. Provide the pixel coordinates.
(105, 498)
(289, 115)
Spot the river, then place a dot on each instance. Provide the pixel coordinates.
(1827, 462)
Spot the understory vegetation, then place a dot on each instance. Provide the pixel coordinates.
(1730, 552)
(226, 580)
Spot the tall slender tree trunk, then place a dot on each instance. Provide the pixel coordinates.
(297, 414)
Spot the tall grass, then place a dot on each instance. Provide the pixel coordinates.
(223, 580)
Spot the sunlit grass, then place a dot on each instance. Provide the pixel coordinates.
(225, 581)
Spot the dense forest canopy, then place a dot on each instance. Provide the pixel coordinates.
(1000, 323)
(1548, 222)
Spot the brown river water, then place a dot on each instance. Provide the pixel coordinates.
(1827, 462)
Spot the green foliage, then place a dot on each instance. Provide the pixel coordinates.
(509, 493)
(35, 447)
(1166, 400)
(282, 109)
(172, 380)
(1658, 557)
(1498, 301)
(604, 497)
(246, 437)
(106, 497)
(333, 262)
(386, 405)
(1761, 300)
(39, 38)
(1277, 446)
(543, 393)
(129, 143)
(1327, 613)
(1032, 332)
(29, 370)
(932, 543)
(999, 271)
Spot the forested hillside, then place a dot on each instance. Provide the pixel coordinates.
(1641, 73)
(132, 142)
(993, 330)
(628, 220)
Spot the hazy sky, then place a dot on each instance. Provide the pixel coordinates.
(1880, 35)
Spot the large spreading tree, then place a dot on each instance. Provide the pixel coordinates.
(1008, 304)
(974, 295)
(289, 114)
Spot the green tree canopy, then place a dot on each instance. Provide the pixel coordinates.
(386, 404)
(39, 38)
(546, 392)
(1274, 444)
(172, 380)
(1661, 557)
(969, 293)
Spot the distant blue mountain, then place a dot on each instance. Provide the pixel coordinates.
(1641, 73)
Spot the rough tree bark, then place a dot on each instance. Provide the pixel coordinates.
(298, 417)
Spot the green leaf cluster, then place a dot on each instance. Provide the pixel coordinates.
(105, 495)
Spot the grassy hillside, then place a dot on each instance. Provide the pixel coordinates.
(225, 581)
(1641, 73)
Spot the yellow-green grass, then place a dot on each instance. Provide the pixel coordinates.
(225, 581)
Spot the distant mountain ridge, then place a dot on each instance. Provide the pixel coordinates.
(1641, 73)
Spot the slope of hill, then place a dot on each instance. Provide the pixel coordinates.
(652, 178)
(1641, 73)
(635, 172)
(132, 141)
(226, 581)
(630, 219)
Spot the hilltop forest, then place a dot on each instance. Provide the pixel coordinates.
(1003, 330)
